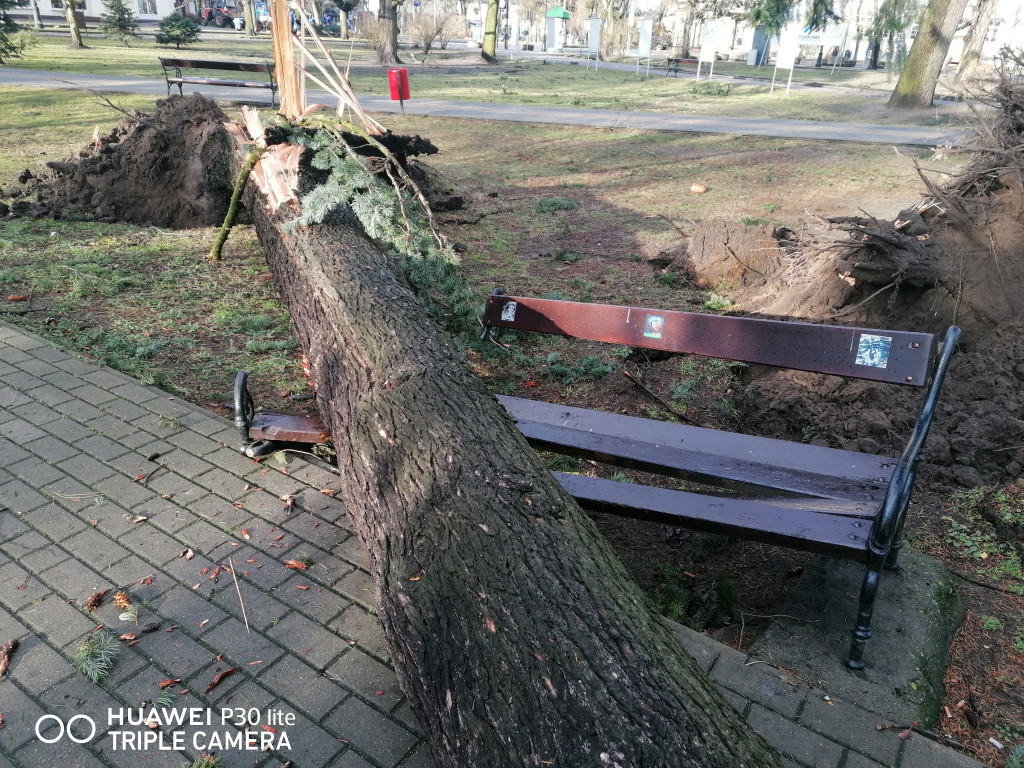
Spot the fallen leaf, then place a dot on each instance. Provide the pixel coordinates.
(250, 560)
(279, 537)
(169, 681)
(234, 544)
(905, 734)
(295, 564)
(245, 533)
(14, 297)
(139, 478)
(268, 728)
(188, 554)
(204, 622)
(152, 724)
(220, 677)
(135, 518)
(2, 720)
(303, 587)
(414, 578)
(531, 384)
(127, 636)
(205, 571)
(171, 629)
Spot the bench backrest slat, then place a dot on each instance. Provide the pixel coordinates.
(897, 357)
(229, 66)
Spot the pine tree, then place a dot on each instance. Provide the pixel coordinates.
(177, 30)
(118, 22)
(7, 29)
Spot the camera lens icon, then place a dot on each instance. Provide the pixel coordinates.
(65, 728)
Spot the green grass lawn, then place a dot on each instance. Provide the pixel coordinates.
(457, 76)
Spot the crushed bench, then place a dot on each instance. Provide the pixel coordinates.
(174, 77)
(818, 499)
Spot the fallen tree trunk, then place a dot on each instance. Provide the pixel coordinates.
(516, 632)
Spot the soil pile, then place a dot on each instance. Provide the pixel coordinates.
(170, 169)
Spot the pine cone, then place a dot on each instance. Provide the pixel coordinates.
(122, 601)
(94, 600)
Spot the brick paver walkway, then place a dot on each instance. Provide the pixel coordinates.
(107, 484)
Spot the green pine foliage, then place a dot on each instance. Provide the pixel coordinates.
(118, 23)
(177, 30)
(96, 655)
(394, 220)
(8, 28)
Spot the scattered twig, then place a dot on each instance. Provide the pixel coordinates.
(5, 655)
(239, 591)
(976, 583)
(657, 397)
(860, 304)
(220, 677)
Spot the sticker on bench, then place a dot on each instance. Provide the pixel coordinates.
(653, 326)
(873, 350)
(508, 312)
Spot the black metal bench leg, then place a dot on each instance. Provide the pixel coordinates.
(245, 409)
(868, 593)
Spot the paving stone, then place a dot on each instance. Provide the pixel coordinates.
(853, 760)
(175, 652)
(221, 512)
(10, 627)
(326, 569)
(202, 536)
(19, 497)
(165, 514)
(242, 648)
(131, 572)
(235, 462)
(158, 426)
(322, 505)
(350, 759)
(311, 745)
(75, 366)
(184, 463)
(167, 406)
(805, 747)
(35, 413)
(47, 394)
(152, 544)
(315, 476)
(136, 439)
(194, 443)
(224, 484)
(308, 639)
(21, 380)
(106, 378)
(38, 560)
(37, 367)
(74, 580)
(20, 546)
(113, 520)
(266, 507)
(153, 758)
(129, 663)
(51, 450)
(359, 625)
(111, 426)
(923, 753)
(701, 648)
(19, 588)
(183, 607)
(419, 758)
(353, 551)
(124, 410)
(62, 379)
(63, 753)
(36, 472)
(167, 483)
(92, 394)
(20, 431)
(78, 695)
(405, 716)
(316, 531)
(245, 694)
(11, 527)
(358, 587)
(303, 687)
(198, 575)
(760, 687)
(68, 430)
(11, 453)
(273, 481)
(205, 423)
(370, 732)
(20, 716)
(267, 572)
(135, 393)
(368, 678)
(93, 548)
(311, 599)
(78, 411)
(57, 622)
(72, 495)
(50, 354)
(85, 468)
(37, 667)
(852, 726)
(132, 464)
(261, 609)
(100, 447)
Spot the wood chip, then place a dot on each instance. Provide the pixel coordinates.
(220, 677)
(299, 566)
(169, 681)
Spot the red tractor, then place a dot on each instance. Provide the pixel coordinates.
(215, 12)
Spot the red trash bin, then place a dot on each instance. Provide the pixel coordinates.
(398, 80)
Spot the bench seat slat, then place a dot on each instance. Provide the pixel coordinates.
(230, 66)
(896, 357)
(796, 528)
(743, 462)
(216, 81)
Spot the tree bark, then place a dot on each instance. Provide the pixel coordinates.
(916, 87)
(975, 39)
(76, 33)
(387, 49)
(515, 631)
(490, 44)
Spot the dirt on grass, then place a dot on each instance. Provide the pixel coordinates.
(920, 275)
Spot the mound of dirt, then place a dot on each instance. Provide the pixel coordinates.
(170, 169)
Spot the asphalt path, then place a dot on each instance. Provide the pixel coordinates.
(927, 136)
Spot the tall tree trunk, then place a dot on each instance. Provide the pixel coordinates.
(343, 21)
(387, 47)
(975, 39)
(249, 12)
(37, 19)
(489, 49)
(516, 632)
(76, 33)
(916, 87)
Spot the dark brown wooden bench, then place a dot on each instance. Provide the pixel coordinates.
(174, 77)
(674, 64)
(824, 500)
